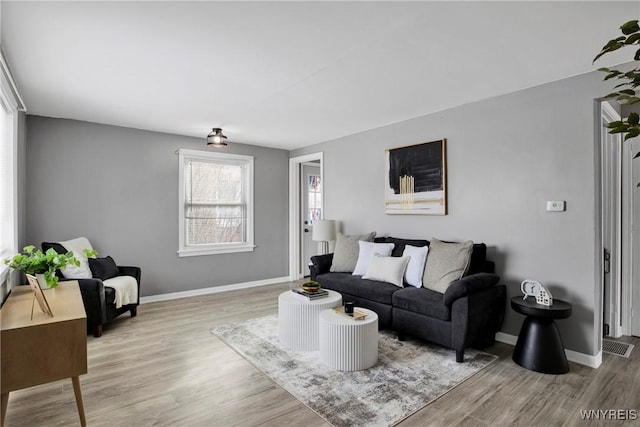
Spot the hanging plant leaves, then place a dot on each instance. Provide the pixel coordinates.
(630, 27)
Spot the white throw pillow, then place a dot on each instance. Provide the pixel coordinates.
(387, 269)
(367, 249)
(415, 268)
(77, 246)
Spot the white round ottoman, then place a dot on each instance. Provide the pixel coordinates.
(347, 344)
(298, 319)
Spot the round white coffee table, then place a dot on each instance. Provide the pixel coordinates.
(347, 344)
(298, 319)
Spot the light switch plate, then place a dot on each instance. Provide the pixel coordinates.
(555, 206)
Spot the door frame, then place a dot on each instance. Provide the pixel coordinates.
(611, 189)
(630, 245)
(295, 165)
(304, 226)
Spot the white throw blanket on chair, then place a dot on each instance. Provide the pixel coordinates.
(126, 288)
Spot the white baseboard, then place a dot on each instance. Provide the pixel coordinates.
(213, 290)
(572, 356)
(506, 338)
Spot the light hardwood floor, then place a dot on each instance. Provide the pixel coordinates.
(165, 368)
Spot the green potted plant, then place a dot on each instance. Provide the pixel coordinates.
(311, 286)
(628, 81)
(42, 265)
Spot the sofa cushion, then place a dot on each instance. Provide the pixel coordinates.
(422, 301)
(415, 268)
(109, 295)
(478, 259)
(103, 268)
(126, 290)
(366, 251)
(446, 263)
(478, 256)
(387, 269)
(345, 254)
(400, 244)
(345, 283)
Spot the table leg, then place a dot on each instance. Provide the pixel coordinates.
(78, 392)
(5, 402)
(540, 348)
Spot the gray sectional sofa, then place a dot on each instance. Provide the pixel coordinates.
(467, 314)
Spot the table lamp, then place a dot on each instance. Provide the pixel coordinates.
(324, 231)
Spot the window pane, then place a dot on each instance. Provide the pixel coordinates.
(212, 182)
(7, 186)
(216, 203)
(215, 224)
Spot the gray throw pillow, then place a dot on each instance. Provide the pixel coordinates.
(345, 254)
(446, 262)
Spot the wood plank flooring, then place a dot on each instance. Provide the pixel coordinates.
(164, 368)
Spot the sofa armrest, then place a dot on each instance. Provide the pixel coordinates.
(476, 317)
(320, 264)
(135, 272)
(469, 285)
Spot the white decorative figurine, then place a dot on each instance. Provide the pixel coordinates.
(535, 289)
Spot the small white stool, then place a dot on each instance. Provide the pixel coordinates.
(347, 344)
(298, 319)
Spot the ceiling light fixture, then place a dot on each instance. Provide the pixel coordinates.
(216, 138)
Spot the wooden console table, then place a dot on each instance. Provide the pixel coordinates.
(46, 348)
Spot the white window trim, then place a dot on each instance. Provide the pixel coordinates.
(216, 248)
(10, 98)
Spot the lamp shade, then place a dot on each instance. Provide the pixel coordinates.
(324, 230)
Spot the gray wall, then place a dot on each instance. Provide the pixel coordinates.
(119, 188)
(506, 157)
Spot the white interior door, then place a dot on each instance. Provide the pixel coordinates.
(311, 211)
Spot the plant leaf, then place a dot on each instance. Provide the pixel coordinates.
(630, 27)
(632, 39)
(637, 155)
(633, 119)
(632, 133)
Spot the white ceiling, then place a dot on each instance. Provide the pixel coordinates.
(291, 74)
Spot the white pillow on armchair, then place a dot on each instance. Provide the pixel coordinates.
(77, 246)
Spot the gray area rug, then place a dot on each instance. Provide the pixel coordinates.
(408, 376)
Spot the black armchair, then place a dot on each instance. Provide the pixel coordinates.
(98, 299)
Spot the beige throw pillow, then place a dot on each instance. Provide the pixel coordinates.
(446, 262)
(345, 254)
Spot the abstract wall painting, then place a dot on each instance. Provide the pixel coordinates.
(416, 179)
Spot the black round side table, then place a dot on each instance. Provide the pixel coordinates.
(539, 347)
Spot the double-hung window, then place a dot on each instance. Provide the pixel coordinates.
(216, 203)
